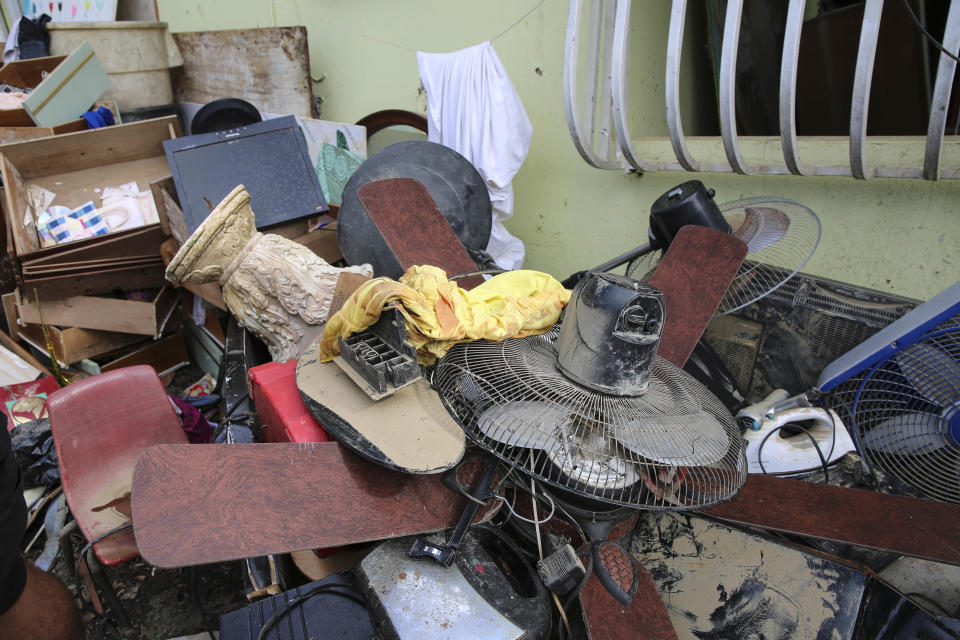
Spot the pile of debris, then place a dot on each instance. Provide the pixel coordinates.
(253, 343)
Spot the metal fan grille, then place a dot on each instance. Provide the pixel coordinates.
(781, 236)
(675, 447)
(904, 413)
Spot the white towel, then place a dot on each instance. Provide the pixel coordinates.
(473, 108)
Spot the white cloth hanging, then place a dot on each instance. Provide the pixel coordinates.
(473, 108)
(11, 50)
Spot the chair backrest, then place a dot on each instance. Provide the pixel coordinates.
(100, 427)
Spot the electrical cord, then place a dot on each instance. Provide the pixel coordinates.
(86, 548)
(916, 21)
(199, 600)
(577, 589)
(298, 600)
(823, 462)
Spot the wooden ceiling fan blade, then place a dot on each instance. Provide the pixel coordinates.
(908, 526)
(195, 504)
(694, 275)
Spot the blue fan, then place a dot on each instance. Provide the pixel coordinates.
(899, 391)
(906, 413)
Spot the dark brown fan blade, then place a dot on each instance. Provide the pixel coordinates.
(912, 527)
(645, 618)
(693, 275)
(194, 504)
(414, 229)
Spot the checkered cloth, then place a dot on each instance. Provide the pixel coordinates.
(82, 222)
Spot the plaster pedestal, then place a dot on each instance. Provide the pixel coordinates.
(276, 288)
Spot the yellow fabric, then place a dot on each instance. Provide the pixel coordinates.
(440, 314)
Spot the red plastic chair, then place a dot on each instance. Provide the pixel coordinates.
(100, 427)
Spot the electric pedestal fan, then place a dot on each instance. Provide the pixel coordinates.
(591, 409)
(778, 232)
(905, 412)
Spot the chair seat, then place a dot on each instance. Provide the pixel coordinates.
(100, 427)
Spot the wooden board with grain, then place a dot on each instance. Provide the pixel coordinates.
(187, 509)
(694, 274)
(908, 526)
(269, 68)
(414, 228)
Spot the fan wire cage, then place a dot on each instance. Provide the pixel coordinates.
(904, 413)
(674, 447)
(779, 233)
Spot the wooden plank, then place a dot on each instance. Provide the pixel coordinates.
(270, 68)
(130, 243)
(84, 267)
(415, 229)
(165, 356)
(101, 281)
(908, 526)
(16, 207)
(158, 188)
(645, 618)
(693, 275)
(92, 149)
(107, 314)
(20, 133)
(295, 496)
(69, 345)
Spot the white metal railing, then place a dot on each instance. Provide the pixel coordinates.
(598, 119)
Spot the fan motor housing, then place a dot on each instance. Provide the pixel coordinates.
(685, 204)
(610, 333)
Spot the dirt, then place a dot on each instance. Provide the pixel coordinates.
(162, 603)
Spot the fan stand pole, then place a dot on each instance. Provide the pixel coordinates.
(444, 554)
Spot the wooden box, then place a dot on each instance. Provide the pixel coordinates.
(76, 167)
(107, 314)
(75, 84)
(28, 74)
(69, 344)
(16, 124)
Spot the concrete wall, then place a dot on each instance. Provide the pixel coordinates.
(894, 235)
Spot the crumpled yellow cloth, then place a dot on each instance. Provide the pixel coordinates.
(440, 314)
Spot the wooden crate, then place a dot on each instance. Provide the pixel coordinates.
(76, 167)
(69, 345)
(106, 314)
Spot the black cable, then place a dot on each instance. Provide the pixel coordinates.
(298, 600)
(935, 42)
(199, 600)
(823, 462)
(561, 632)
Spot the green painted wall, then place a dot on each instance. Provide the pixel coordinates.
(894, 235)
